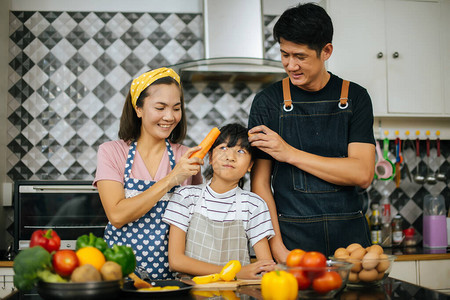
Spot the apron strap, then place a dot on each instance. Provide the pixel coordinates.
(287, 95)
(343, 104)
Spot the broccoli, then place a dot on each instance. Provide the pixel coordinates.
(31, 265)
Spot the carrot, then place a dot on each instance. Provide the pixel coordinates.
(206, 144)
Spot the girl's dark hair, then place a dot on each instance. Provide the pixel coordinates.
(305, 24)
(233, 134)
(130, 124)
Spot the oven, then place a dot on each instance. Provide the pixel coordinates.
(71, 208)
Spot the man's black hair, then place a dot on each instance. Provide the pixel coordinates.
(306, 24)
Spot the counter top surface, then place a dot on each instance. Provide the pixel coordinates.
(391, 289)
(403, 254)
(418, 253)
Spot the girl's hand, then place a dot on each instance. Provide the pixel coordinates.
(270, 142)
(256, 269)
(185, 167)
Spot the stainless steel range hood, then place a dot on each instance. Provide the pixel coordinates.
(234, 48)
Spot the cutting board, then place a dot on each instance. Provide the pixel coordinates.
(223, 285)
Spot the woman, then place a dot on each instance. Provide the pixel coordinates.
(137, 174)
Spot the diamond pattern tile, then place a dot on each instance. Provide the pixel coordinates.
(49, 64)
(35, 77)
(145, 25)
(91, 24)
(21, 64)
(64, 24)
(36, 50)
(70, 72)
(50, 37)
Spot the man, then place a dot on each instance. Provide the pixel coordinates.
(315, 137)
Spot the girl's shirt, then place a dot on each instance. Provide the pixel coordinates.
(220, 208)
(112, 157)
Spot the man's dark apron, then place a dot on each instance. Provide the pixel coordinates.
(314, 214)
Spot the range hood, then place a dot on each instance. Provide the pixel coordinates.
(233, 42)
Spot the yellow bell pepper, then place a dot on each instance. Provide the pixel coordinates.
(206, 278)
(229, 295)
(230, 270)
(279, 285)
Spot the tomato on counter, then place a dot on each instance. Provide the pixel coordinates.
(326, 282)
(303, 280)
(64, 262)
(294, 257)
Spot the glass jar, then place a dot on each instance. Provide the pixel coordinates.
(397, 232)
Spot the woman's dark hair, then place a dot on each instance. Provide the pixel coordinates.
(306, 24)
(130, 124)
(233, 134)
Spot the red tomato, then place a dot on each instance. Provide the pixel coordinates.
(302, 279)
(328, 281)
(314, 261)
(64, 262)
(294, 257)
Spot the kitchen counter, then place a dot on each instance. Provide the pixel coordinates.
(418, 253)
(392, 289)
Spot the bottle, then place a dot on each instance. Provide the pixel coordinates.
(397, 231)
(375, 224)
(386, 231)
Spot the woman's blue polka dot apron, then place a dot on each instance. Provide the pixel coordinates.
(148, 234)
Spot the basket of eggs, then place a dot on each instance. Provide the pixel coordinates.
(370, 265)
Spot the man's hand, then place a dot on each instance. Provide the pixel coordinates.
(270, 142)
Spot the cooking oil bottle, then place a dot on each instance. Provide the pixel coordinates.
(375, 224)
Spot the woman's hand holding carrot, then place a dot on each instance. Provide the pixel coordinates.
(185, 167)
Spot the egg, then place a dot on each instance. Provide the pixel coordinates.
(376, 248)
(341, 253)
(383, 265)
(358, 253)
(353, 277)
(380, 276)
(370, 260)
(368, 275)
(352, 247)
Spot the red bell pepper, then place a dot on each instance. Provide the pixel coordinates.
(47, 239)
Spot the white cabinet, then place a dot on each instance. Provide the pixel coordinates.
(6, 281)
(432, 274)
(393, 48)
(405, 270)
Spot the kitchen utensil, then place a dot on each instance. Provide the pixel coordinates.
(430, 179)
(439, 176)
(128, 289)
(408, 171)
(418, 178)
(383, 168)
(397, 162)
(79, 290)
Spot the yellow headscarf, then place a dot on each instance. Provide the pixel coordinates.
(139, 84)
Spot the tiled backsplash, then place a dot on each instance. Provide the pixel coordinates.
(70, 72)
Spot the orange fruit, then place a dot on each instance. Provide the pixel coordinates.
(92, 256)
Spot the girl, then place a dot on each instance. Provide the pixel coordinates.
(137, 174)
(211, 224)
